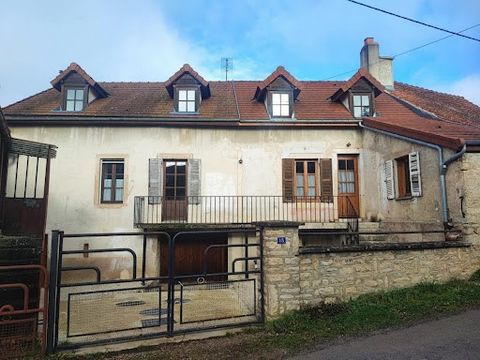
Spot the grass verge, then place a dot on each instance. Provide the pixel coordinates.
(302, 329)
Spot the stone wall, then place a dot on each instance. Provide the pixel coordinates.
(294, 277)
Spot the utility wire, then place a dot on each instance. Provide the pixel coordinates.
(406, 51)
(414, 21)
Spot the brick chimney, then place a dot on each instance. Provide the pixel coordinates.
(380, 67)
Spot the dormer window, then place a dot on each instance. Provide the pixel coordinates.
(280, 104)
(187, 100)
(361, 105)
(74, 99)
(77, 89)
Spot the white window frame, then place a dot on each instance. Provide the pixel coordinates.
(280, 104)
(77, 102)
(187, 101)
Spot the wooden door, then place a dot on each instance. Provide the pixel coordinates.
(348, 189)
(174, 205)
(189, 258)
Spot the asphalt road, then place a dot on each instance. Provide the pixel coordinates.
(455, 337)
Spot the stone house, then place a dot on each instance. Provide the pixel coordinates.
(361, 176)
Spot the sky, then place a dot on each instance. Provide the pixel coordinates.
(147, 40)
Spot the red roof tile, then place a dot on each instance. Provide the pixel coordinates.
(361, 73)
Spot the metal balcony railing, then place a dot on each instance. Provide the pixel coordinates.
(151, 210)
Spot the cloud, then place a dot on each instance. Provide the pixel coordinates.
(468, 87)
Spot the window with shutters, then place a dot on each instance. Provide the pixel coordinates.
(406, 176)
(175, 179)
(112, 182)
(307, 179)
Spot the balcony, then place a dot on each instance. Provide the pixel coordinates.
(241, 210)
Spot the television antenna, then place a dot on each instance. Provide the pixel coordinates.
(226, 65)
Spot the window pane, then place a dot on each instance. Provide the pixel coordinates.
(357, 100)
(70, 105)
(299, 191)
(181, 167)
(182, 106)
(299, 167)
(365, 111)
(191, 106)
(182, 95)
(349, 176)
(276, 110)
(107, 195)
(169, 192)
(79, 94)
(311, 191)
(170, 167)
(365, 100)
(107, 183)
(119, 195)
(119, 183)
(181, 180)
(119, 171)
(350, 164)
(311, 180)
(299, 179)
(180, 192)
(341, 176)
(311, 167)
(191, 94)
(357, 111)
(284, 98)
(78, 105)
(276, 99)
(71, 94)
(284, 110)
(350, 187)
(342, 187)
(170, 180)
(341, 164)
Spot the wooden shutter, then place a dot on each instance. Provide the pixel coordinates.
(194, 181)
(155, 180)
(288, 167)
(415, 178)
(388, 169)
(326, 183)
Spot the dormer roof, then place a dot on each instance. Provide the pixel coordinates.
(362, 73)
(187, 69)
(279, 72)
(75, 68)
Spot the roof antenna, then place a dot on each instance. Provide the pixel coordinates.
(226, 65)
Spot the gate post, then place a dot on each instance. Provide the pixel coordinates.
(52, 292)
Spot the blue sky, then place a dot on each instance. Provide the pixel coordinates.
(149, 40)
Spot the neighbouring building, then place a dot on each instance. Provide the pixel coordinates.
(343, 169)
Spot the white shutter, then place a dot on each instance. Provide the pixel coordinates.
(155, 180)
(194, 182)
(388, 168)
(415, 178)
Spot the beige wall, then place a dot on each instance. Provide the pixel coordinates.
(73, 202)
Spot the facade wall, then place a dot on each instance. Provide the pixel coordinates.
(470, 168)
(73, 202)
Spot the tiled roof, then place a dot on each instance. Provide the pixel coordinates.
(448, 107)
(409, 110)
(394, 116)
(361, 73)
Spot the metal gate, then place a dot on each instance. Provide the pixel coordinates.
(101, 293)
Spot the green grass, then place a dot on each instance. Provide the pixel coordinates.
(301, 329)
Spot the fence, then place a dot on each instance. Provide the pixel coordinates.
(241, 209)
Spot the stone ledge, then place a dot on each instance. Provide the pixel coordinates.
(384, 247)
(279, 224)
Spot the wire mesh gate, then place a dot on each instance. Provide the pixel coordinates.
(91, 304)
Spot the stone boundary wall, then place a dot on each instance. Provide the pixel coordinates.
(293, 279)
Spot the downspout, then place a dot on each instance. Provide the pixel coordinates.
(443, 165)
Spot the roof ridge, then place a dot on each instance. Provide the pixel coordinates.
(430, 90)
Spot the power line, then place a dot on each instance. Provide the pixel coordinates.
(406, 51)
(414, 21)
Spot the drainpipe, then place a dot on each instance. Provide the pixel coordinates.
(443, 165)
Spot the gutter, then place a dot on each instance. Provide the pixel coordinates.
(443, 164)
